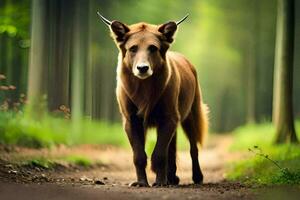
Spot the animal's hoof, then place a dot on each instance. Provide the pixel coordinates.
(198, 180)
(173, 180)
(159, 184)
(139, 184)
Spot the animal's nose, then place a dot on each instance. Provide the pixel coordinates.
(143, 68)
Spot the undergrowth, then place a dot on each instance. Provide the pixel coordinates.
(271, 164)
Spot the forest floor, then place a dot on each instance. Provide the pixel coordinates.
(24, 175)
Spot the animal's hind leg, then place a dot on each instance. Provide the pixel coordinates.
(197, 173)
(190, 129)
(172, 178)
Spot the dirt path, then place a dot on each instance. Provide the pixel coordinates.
(110, 178)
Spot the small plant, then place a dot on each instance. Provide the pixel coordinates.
(63, 111)
(7, 103)
(40, 163)
(258, 151)
(66, 111)
(286, 176)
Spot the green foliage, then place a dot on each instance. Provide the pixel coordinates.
(50, 163)
(257, 170)
(9, 29)
(40, 163)
(79, 160)
(262, 170)
(15, 20)
(253, 134)
(15, 128)
(20, 130)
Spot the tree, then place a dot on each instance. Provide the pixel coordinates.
(38, 59)
(79, 56)
(283, 74)
(252, 61)
(60, 25)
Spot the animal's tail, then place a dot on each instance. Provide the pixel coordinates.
(200, 117)
(196, 124)
(202, 123)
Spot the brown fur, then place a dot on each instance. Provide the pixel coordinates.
(171, 95)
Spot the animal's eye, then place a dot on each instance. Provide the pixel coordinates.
(133, 49)
(152, 48)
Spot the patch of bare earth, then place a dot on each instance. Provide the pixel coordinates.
(110, 176)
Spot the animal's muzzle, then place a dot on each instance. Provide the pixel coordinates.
(142, 69)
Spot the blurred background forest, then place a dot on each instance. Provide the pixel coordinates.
(231, 43)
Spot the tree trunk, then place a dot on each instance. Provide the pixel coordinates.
(79, 57)
(283, 73)
(88, 90)
(252, 62)
(59, 62)
(3, 55)
(251, 84)
(38, 60)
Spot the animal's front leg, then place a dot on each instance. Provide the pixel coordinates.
(135, 132)
(165, 132)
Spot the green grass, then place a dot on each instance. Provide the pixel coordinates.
(250, 135)
(79, 160)
(182, 141)
(50, 163)
(257, 170)
(17, 129)
(39, 162)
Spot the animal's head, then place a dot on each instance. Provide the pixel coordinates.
(143, 46)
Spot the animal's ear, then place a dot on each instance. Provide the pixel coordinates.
(119, 30)
(168, 30)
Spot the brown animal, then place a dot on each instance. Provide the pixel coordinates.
(157, 87)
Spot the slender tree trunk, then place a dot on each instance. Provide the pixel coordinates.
(38, 59)
(9, 59)
(24, 71)
(252, 63)
(88, 103)
(9, 48)
(251, 84)
(79, 57)
(17, 70)
(3, 55)
(283, 73)
(59, 62)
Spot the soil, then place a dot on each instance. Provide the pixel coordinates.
(110, 176)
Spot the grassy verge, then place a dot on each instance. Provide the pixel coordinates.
(258, 167)
(79, 160)
(17, 129)
(50, 163)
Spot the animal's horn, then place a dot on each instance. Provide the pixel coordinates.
(106, 21)
(184, 18)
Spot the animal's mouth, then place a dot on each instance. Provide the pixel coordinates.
(143, 75)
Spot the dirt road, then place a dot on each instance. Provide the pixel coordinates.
(110, 178)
